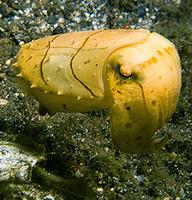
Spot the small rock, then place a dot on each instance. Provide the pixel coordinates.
(100, 190)
(49, 197)
(2, 76)
(3, 102)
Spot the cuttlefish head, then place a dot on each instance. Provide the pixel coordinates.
(145, 81)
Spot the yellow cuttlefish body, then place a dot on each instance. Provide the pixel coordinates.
(134, 73)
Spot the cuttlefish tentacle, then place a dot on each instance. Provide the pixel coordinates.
(131, 124)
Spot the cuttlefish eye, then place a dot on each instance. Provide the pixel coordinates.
(125, 72)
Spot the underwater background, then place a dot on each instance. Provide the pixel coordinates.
(70, 156)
